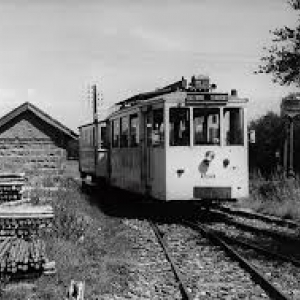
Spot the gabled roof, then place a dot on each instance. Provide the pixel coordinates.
(40, 114)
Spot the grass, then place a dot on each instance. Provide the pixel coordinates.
(278, 196)
(85, 244)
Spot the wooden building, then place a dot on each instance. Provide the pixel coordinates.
(32, 141)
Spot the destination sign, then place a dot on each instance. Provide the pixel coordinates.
(290, 106)
(206, 97)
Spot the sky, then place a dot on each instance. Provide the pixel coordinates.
(52, 51)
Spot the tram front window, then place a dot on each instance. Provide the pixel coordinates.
(234, 126)
(206, 126)
(179, 126)
(158, 131)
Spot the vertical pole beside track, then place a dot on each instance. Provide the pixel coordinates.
(285, 152)
(95, 116)
(291, 152)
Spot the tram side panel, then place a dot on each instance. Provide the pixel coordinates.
(139, 168)
(126, 169)
(125, 153)
(102, 167)
(153, 162)
(86, 151)
(157, 173)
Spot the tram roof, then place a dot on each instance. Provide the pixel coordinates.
(176, 86)
(193, 96)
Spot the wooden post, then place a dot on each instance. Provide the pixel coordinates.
(291, 148)
(76, 290)
(285, 153)
(95, 113)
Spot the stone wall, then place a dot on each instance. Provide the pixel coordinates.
(30, 145)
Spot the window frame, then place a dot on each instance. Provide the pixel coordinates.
(188, 126)
(220, 125)
(113, 130)
(243, 125)
(136, 139)
(161, 135)
(124, 143)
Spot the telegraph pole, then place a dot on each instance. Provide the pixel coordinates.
(95, 121)
(291, 152)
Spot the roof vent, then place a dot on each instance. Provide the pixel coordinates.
(233, 93)
(200, 83)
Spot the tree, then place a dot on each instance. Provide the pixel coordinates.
(269, 140)
(283, 58)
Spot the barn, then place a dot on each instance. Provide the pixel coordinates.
(31, 141)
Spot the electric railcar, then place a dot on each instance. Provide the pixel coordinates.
(181, 142)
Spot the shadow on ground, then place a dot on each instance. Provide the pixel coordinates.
(122, 204)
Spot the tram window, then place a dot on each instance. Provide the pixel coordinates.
(124, 132)
(234, 126)
(158, 131)
(134, 130)
(179, 126)
(90, 136)
(206, 126)
(102, 139)
(115, 133)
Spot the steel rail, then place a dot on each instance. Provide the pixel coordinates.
(255, 215)
(184, 291)
(258, 277)
(264, 251)
(251, 228)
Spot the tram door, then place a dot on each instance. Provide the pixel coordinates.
(146, 150)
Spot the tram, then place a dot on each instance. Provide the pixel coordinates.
(182, 142)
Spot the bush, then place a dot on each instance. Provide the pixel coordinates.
(269, 140)
(277, 196)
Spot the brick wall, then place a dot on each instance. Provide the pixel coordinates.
(28, 144)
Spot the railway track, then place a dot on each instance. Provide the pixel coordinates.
(202, 269)
(276, 237)
(281, 271)
(277, 229)
(269, 222)
(263, 217)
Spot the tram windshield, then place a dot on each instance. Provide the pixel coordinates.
(234, 126)
(179, 126)
(206, 125)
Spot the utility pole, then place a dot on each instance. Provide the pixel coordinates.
(285, 150)
(95, 121)
(291, 152)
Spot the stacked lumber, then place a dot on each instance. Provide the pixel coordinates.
(25, 220)
(21, 249)
(11, 187)
(21, 255)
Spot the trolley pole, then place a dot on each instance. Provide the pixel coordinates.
(95, 117)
